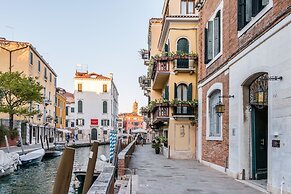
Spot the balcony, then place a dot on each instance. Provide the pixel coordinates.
(161, 113)
(184, 65)
(183, 111)
(145, 54)
(160, 74)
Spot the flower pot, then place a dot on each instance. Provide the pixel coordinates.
(157, 150)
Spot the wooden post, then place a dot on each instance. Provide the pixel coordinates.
(64, 173)
(7, 144)
(41, 142)
(47, 142)
(91, 167)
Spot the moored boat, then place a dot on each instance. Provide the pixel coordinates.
(33, 157)
(8, 163)
(52, 153)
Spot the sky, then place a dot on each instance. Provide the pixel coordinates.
(104, 35)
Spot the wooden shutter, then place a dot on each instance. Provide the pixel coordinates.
(166, 49)
(217, 35)
(108, 122)
(175, 91)
(205, 46)
(83, 122)
(189, 92)
(210, 41)
(241, 14)
(167, 93)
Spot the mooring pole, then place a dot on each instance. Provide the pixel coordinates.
(91, 167)
(41, 142)
(7, 144)
(47, 142)
(64, 174)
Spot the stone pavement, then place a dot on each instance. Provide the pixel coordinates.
(159, 175)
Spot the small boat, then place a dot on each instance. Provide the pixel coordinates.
(8, 163)
(32, 157)
(81, 174)
(52, 153)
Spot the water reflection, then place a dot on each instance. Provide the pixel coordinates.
(40, 178)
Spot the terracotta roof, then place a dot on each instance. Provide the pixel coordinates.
(91, 76)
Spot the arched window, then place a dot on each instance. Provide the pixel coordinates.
(183, 47)
(182, 91)
(214, 119)
(80, 106)
(104, 107)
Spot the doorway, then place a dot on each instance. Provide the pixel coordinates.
(258, 96)
(94, 134)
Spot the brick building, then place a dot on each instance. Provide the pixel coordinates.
(244, 60)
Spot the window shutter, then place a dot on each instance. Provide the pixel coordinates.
(166, 48)
(167, 93)
(205, 46)
(241, 14)
(101, 122)
(210, 41)
(255, 7)
(175, 91)
(77, 123)
(216, 35)
(189, 92)
(108, 122)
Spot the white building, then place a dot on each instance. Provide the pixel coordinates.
(96, 105)
(71, 114)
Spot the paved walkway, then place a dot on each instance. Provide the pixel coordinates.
(158, 175)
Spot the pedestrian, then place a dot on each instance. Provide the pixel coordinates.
(141, 140)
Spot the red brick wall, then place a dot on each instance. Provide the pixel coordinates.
(216, 151)
(232, 45)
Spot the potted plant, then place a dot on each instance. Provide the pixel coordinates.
(157, 143)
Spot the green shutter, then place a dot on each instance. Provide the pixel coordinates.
(255, 7)
(241, 14)
(175, 91)
(189, 92)
(217, 34)
(205, 46)
(210, 41)
(167, 93)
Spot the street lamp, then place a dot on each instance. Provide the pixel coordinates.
(220, 107)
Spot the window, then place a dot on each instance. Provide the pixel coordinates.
(80, 106)
(104, 122)
(67, 123)
(50, 77)
(45, 74)
(104, 107)
(38, 66)
(214, 119)
(31, 58)
(72, 124)
(44, 92)
(183, 47)
(248, 9)
(104, 87)
(187, 7)
(55, 81)
(80, 87)
(67, 110)
(213, 38)
(49, 98)
(166, 93)
(80, 122)
(72, 109)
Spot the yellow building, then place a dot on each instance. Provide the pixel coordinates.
(172, 69)
(60, 118)
(23, 57)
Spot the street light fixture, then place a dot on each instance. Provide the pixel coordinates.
(220, 107)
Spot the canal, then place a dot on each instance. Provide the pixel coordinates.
(39, 179)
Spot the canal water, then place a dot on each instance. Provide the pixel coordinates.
(39, 179)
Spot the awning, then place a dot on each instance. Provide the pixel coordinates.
(64, 130)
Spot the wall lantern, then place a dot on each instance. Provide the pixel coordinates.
(219, 107)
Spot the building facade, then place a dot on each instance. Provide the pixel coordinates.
(244, 65)
(172, 70)
(60, 118)
(131, 121)
(96, 105)
(23, 57)
(71, 115)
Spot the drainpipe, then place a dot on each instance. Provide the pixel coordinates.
(282, 183)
